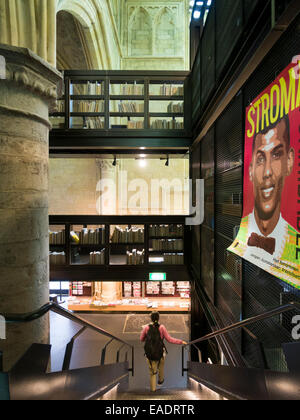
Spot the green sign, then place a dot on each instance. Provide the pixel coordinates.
(158, 276)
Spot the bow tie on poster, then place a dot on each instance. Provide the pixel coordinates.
(268, 244)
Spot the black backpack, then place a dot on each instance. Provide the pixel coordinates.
(154, 346)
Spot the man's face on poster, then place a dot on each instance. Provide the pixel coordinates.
(272, 162)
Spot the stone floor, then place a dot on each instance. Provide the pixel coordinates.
(88, 347)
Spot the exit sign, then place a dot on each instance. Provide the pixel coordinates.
(158, 276)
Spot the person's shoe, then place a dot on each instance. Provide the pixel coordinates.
(161, 383)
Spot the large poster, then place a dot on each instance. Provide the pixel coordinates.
(269, 232)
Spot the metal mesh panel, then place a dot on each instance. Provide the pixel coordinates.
(207, 229)
(196, 81)
(229, 27)
(196, 174)
(249, 6)
(208, 58)
(229, 140)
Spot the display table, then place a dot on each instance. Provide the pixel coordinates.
(159, 304)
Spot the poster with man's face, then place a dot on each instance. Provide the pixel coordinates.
(269, 232)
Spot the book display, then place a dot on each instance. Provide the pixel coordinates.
(99, 100)
(81, 289)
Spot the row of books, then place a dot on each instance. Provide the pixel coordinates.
(176, 108)
(88, 106)
(131, 89)
(57, 122)
(88, 89)
(173, 259)
(130, 107)
(57, 238)
(57, 258)
(135, 257)
(167, 125)
(167, 245)
(171, 90)
(135, 125)
(94, 124)
(97, 257)
(89, 236)
(127, 235)
(166, 230)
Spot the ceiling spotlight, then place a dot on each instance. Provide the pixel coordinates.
(115, 161)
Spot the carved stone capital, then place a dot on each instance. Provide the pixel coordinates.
(30, 71)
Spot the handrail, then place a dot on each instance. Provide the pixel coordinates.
(33, 316)
(278, 311)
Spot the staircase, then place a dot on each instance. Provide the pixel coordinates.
(165, 395)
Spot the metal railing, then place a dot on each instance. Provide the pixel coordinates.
(242, 324)
(53, 307)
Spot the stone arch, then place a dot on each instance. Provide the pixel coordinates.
(96, 30)
(165, 33)
(140, 33)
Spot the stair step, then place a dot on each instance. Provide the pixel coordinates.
(291, 352)
(160, 394)
(35, 361)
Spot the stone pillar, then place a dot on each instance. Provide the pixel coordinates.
(25, 95)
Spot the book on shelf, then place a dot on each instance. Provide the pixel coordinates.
(127, 235)
(174, 259)
(167, 244)
(132, 107)
(57, 122)
(97, 257)
(89, 236)
(88, 106)
(89, 88)
(176, 108)
(166, 230)
(57, 258)
(132, 89)
(135, 125)
(94, 123)
(171, 90)
(167, 125)
(135, 257)
(57, 238)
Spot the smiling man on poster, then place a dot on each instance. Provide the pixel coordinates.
(268, 235)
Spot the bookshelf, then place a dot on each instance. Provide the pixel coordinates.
(109, 244)
(123, 101)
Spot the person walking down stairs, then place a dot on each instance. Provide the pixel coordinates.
(153, 336)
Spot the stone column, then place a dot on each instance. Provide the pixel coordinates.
(25, 95)
(111, 292)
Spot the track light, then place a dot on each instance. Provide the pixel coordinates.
(168, 161)
(115, 161)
